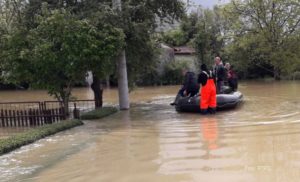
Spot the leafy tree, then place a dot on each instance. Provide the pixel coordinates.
(138, 20)
(175, 38)
(59, 51)
(209, 40)
(270, 25)
(204, 30)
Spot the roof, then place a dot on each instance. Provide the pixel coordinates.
(184, 50)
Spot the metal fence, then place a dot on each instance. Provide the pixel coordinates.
(24, 114)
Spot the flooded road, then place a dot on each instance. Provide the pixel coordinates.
(258, 141)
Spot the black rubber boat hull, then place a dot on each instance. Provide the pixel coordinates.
(224, 101)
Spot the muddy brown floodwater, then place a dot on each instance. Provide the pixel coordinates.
(257, 142)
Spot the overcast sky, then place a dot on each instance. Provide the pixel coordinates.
(209, 3)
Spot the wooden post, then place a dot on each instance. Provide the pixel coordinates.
(2, 118)
(10, 118)
(6, 118)
(18, 118)
(14, 118)
(33, 117)
(30, 117)
(49, 116)
(39, 115)
(44, 113)
(22, 118)
(57, 114)
(48, 112)
(52, 115)
(26, 118)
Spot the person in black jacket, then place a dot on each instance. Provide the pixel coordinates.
(220, 74)
(190, 87)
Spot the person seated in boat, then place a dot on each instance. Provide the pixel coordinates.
(220, 74)
(231, 77)
(208, 100)
(190, 86)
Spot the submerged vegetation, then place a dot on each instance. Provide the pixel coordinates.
(19, 140)
(14, 142)
(99, 113)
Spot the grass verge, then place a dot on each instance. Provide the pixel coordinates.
(14, 142)
(99, 113)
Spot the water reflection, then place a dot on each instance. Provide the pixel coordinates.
(209, 130)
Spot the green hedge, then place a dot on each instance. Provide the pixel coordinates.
(99, 113)
(14, 142)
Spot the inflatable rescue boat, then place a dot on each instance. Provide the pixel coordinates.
(224, 101)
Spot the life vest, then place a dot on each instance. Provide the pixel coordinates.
(209, 74)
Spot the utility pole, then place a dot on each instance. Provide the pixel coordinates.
(122, 69)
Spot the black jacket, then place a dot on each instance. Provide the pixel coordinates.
(220, 73)
(190, 82)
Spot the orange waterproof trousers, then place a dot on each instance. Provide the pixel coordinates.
(208, 95)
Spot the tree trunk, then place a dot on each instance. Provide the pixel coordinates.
(107, 82)
(123, 82)
(98, 92)
(66, 106)
(64, 97)
(122, 70)
(277, 73)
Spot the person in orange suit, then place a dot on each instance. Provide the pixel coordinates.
(208, 97)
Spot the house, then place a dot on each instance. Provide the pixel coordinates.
(186, 54)
(184, 51)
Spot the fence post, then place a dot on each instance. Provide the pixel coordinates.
(57, 112)
(49, 121)
(25, 118)
(33, 117)
(37, 116)
(22, 118)
(6, 118)
(10, 118)
(14, 118)
(30, 117)
(2, 118)
(43, 113)
(18, 118)
(51, 112)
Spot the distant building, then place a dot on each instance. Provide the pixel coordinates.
(184, 50)
(186, 54)
(167, 56)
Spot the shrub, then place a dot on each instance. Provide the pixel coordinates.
(14, 142)
(99, 113)
(296, 75)
(173, 73)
